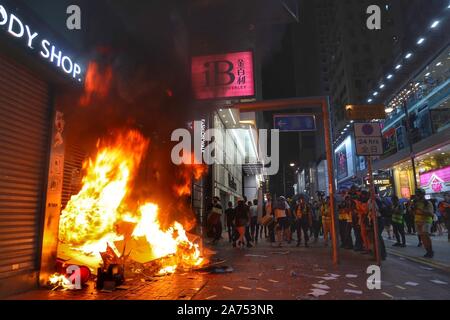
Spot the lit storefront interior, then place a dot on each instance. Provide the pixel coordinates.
(432, 173)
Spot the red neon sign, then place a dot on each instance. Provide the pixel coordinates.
(223, 76)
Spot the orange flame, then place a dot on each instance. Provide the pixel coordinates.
(92, 219)
(96, 82)
(186, 174)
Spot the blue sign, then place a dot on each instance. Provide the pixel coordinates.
(294, 122)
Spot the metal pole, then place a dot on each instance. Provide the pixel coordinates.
(374, 212)
(410, 143)
(329, 152)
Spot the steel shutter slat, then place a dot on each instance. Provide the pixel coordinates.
(24, 131)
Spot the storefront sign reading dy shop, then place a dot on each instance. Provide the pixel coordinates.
(17, 29)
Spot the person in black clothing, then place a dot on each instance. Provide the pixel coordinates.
(242, 214)
(230, 215)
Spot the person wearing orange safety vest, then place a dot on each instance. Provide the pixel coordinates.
(423, 213)
(362, 209)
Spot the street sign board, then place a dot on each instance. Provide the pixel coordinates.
(368, 139)
(294, 122)
(365, 112)
(367, 129)
(371, 146)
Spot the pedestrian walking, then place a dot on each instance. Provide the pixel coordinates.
(444, 209)
(423, 214)
(362, 208)
(230, 215)
(303, 216)
(326, 220)
(215, 220)
(241, 222)
(398, 222)
(316, 224)
(254, 227)
(281, 209)
(349, 208)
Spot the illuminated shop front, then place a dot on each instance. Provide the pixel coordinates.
(432, 173)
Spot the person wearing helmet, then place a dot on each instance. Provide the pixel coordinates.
(423, 214)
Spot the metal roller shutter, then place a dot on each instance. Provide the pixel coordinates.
(24, 133)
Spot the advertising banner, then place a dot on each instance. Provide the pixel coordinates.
(223, 76)
(436, 181)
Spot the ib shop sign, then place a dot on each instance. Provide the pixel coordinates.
(223, 76)
(17, 28)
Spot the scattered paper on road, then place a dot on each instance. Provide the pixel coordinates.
(327, 278)
(353, 291)
(412, 284)
(227, 288)
(262, 289)
(317, 292)
(332, 275)
(211, 297)
(427, 268)
(321, 286)
(274, 281)
(352, 285)
(321, 281)
(387, 295)
(400, 287)
(350, 276)
(245, 288)
(256, 255)
(438, 281)
(281, 252)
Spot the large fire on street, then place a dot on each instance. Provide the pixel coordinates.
(102, 217)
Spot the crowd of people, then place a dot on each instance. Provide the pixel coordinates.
(284, 221)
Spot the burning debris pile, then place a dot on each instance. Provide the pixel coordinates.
(103, 228)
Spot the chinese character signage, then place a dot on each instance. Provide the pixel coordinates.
(223, 76)
(368, 139)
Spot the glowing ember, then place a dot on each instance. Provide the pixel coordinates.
(99, 214)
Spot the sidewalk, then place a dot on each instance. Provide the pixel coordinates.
(441, 248)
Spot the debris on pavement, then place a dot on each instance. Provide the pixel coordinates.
(211, 297)
(317, 293)
(227, 288)
(245, 288)
(321, 286)
(426, 268)
(350, 276)
(412, 284)
(217, 269)
(256, 255)
(274, 281)
(352, 285)
(281, 252)
(262, 289)
(353, 291)
(387, 295)
(294, 274)
(438, 281)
